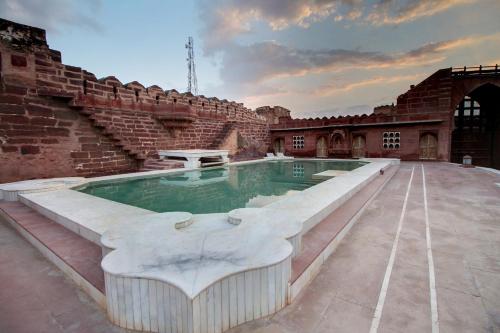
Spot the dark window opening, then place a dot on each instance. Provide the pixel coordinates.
(137, 95)
(85, 87)
(115, 92)
(468, 116)
(157, 99)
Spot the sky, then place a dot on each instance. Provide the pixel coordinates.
(314, 57)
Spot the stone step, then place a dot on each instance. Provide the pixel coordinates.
(76, 256)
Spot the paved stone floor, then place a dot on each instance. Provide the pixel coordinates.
(387, 247)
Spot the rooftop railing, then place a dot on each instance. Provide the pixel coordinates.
(475, 71)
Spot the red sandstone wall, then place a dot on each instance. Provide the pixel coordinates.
(44, 138)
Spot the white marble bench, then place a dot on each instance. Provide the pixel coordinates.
(193, 156)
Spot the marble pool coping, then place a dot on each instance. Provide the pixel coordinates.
(91, 216)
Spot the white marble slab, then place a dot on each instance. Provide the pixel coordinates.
(327, 174)
(155, 249)
(84, 214)
(192, 156)
(10, 191)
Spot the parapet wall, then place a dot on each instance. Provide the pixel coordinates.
(35, 64)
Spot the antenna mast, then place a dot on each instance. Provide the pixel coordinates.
(192, 81)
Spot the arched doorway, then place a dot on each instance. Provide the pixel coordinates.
(428, 147)
(358, 146)
(477, 127)
(321, 147)
(279, 145)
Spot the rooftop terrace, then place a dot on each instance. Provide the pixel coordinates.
(378, 277)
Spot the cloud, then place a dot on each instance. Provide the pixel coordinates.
(52, 15)
(269, 60)
(340, 87)
(222, 20)
(390, 12)
(337, 111)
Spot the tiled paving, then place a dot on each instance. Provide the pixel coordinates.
(318, 238)
(464, 219)
(36, 297)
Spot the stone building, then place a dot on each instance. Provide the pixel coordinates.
(60, 120)
(452, 113)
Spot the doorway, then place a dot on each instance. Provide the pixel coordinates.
(428, 147)
(321, 147)
(477, 127)
(279, 145)
(358, 146)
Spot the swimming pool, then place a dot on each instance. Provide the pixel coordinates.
(219, 190)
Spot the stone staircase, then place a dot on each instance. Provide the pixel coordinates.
(227, 129)
(138, 135)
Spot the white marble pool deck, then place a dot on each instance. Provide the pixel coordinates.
(9, 191)
(177, 261)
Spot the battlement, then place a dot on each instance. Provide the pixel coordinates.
(384, 109)
(273, 114)
(327, 121)
(20, 36)
(33, 63)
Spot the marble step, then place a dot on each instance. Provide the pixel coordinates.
(76, 256)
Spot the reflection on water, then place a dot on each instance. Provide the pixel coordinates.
(219, 190)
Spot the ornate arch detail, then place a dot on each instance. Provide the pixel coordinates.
(336, 134)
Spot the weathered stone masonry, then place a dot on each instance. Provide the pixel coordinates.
(60, 120)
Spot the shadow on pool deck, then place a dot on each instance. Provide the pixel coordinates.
(464, 217)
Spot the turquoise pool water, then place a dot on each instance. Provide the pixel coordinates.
(218, 190)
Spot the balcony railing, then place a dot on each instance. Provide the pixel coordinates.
(475, 71)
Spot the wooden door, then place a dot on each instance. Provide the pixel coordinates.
(279, 146)
(321, 147)
(358, 146)
(428, 147)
